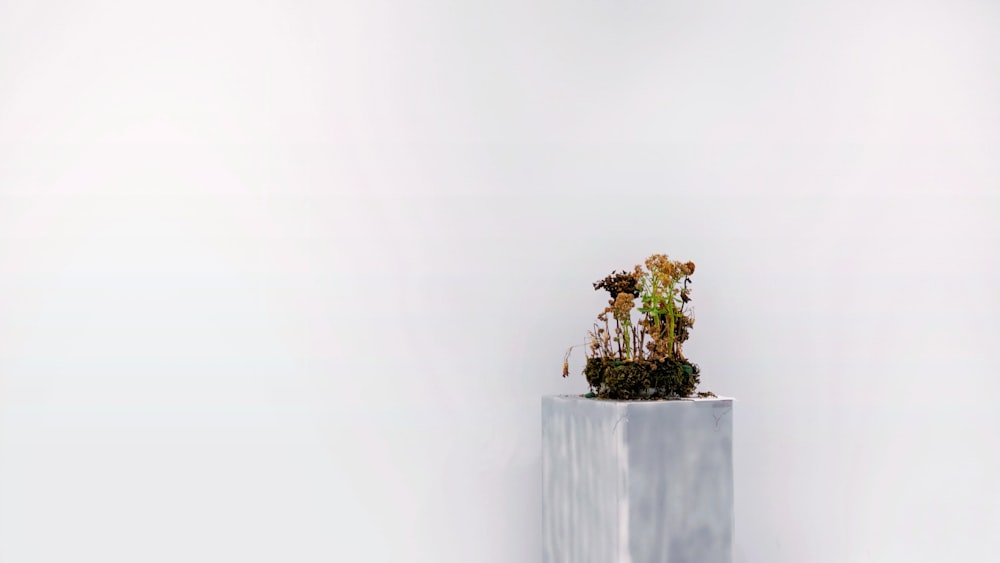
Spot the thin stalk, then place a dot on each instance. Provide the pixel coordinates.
(670, 320)
(627, 338)
(618, 338)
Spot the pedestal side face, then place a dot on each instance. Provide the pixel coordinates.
(680, 481)
(582, 473)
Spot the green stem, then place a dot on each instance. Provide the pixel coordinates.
(618, 338)
(627, 337)
(670, 310)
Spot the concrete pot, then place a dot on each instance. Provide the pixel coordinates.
(637, 481)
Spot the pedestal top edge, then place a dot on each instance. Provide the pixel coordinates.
(720, 399)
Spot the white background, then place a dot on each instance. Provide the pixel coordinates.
(285, 280)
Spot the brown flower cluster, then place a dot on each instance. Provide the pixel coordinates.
(620, 282)
(660, 264)
(622, 305)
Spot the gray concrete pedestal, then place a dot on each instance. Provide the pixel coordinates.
(637, 481)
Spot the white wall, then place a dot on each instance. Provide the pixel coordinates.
(284, 281)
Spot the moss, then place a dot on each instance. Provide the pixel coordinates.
(638, 380)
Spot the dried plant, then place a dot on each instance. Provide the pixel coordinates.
(642, 358)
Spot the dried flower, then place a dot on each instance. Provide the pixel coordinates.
(622, 305)
(616, 283)
(659, 264)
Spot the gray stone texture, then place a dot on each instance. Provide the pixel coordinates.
(637, 482)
